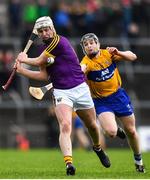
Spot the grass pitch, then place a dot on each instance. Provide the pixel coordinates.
(48, 164)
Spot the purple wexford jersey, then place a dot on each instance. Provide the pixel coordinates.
(65, 72)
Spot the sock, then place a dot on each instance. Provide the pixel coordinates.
(138, 159)
(118, 132)
(68, 159)
(97, 147)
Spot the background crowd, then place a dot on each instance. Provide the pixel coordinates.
(105, 18)
(76, 17)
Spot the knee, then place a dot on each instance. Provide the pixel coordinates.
(111, 132)
(131, 132)
(66, 127)
(92, 126)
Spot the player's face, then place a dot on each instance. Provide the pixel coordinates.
(91, 47)
(45, 33)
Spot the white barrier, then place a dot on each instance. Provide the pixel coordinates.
(144, 135)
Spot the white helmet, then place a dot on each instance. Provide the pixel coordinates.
(44, 21)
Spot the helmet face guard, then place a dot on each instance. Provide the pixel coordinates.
(87, 37)
(44, 21)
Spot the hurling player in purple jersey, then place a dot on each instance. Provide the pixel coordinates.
(59, 64)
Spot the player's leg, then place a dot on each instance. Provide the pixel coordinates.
(102, 137)
(81, 134)
(133, 139)
(63, 110)
(105, 109)
(64, 116)
(89, 118)
(84, 107)
(108, 123)
(124, 111)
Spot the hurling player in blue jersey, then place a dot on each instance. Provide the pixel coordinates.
(110, 99)
(70, 89)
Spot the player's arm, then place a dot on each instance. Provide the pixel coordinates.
(43, 58)
(121, 55)
(83, 67)
(37, 61)
(40, 75)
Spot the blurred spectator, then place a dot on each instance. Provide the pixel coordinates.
(1, 61)
(106, 17)
(15, 16)
(6, 65)
(116, 21)
(8, 60)
(146, 15)
(43, 8)
(78, 17)
(30, 11)
(127, 16)
(136, 11)
(133, 30)
(91, 7)
(133, 33)
(62, 19)
(23, 143)
(30, 14)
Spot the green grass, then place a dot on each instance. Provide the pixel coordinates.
(48, 164)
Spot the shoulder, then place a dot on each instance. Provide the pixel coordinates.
(105, 52)
(53, 43)
(63, 38)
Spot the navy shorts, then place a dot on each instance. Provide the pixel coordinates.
(119, 103)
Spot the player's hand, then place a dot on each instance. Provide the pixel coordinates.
(18, 66)
(22, 57)
(112, 50)
(15, 65)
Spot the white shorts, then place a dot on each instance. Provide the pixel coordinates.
(78, 97)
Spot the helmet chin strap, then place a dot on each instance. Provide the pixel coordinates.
(92, 55)
(47, 42)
